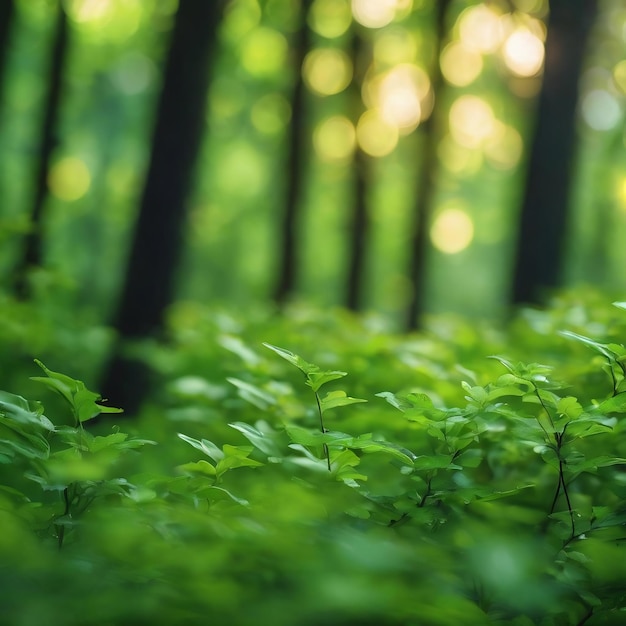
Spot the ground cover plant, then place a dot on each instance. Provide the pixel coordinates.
(319, 468)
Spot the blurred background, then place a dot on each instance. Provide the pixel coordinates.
(398, 156)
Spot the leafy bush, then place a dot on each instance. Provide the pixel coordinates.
(458, 489)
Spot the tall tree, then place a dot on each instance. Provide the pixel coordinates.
(419, 244)
(289, 260)
(149, 284)
(543, 218)
(360, 222)
(7, 12)
(32, 254)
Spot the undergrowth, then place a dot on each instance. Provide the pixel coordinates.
(376, 479)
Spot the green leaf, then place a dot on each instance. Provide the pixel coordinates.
(615, 404)
(100, 443)
(439, 461)
(198, 467)
(83, 402)
(399, 403)
(235, 460)
(316, 379)
(294, 359)
(307, 437)
(569, 407)
(620, 305)
(369, 445)
(335, 399)
(595, 345)
(253, 394)
(266, 442)
(205, 446)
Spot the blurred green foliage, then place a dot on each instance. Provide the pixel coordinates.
(109, 94)
(441, 512)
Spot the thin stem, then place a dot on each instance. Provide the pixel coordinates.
(319, 410)
(61, 527)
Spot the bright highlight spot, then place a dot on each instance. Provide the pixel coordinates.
(378, 13)
(481, 28)
(523, 53)
(600, 110)
(452, 231)
(399, 95)
(460, 64)
(69, 179)
(264, 52)
(327, 71)
(471, 121)
(270, 114)
(375, 136)
(621, 192)
(114, 20)
(330, 18)
(334, 139)
(619, 76)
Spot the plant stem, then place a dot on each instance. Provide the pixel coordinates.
(319, 410)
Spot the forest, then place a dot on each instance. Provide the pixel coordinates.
(312, 311)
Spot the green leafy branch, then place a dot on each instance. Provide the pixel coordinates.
(315, 378)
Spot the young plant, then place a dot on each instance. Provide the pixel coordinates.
(315, 378)
(79, 465)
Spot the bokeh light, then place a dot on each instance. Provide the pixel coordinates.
(619, 76)
(112, 20)
(375, 136)
(460, 64)
(621, 192)
(600, 110)
(452, 231)
(399, 95)
(523, 53)
(330, 18)
(69, 179)
(471, 120)
(327, 71)
(334, 139)
(481, 28)
(378, 13)
(264, 52)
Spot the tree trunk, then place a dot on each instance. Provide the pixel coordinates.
(7, 12)
(419, 243)
(360, 223)
(543, 219)
(32, 255)
(149, 286)
(289, 260)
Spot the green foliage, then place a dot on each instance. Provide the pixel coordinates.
(473, 490)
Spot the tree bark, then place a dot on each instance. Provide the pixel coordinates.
(32, 254)
(360, 223)
(543, 220)
(419, 243)
(149, 285)
(289, 259)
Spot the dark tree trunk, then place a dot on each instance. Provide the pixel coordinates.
(544, 212)
(360, 223)
(7, 12)
(419, 243)
(289, 262)
(149, 285)
(32, 255)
